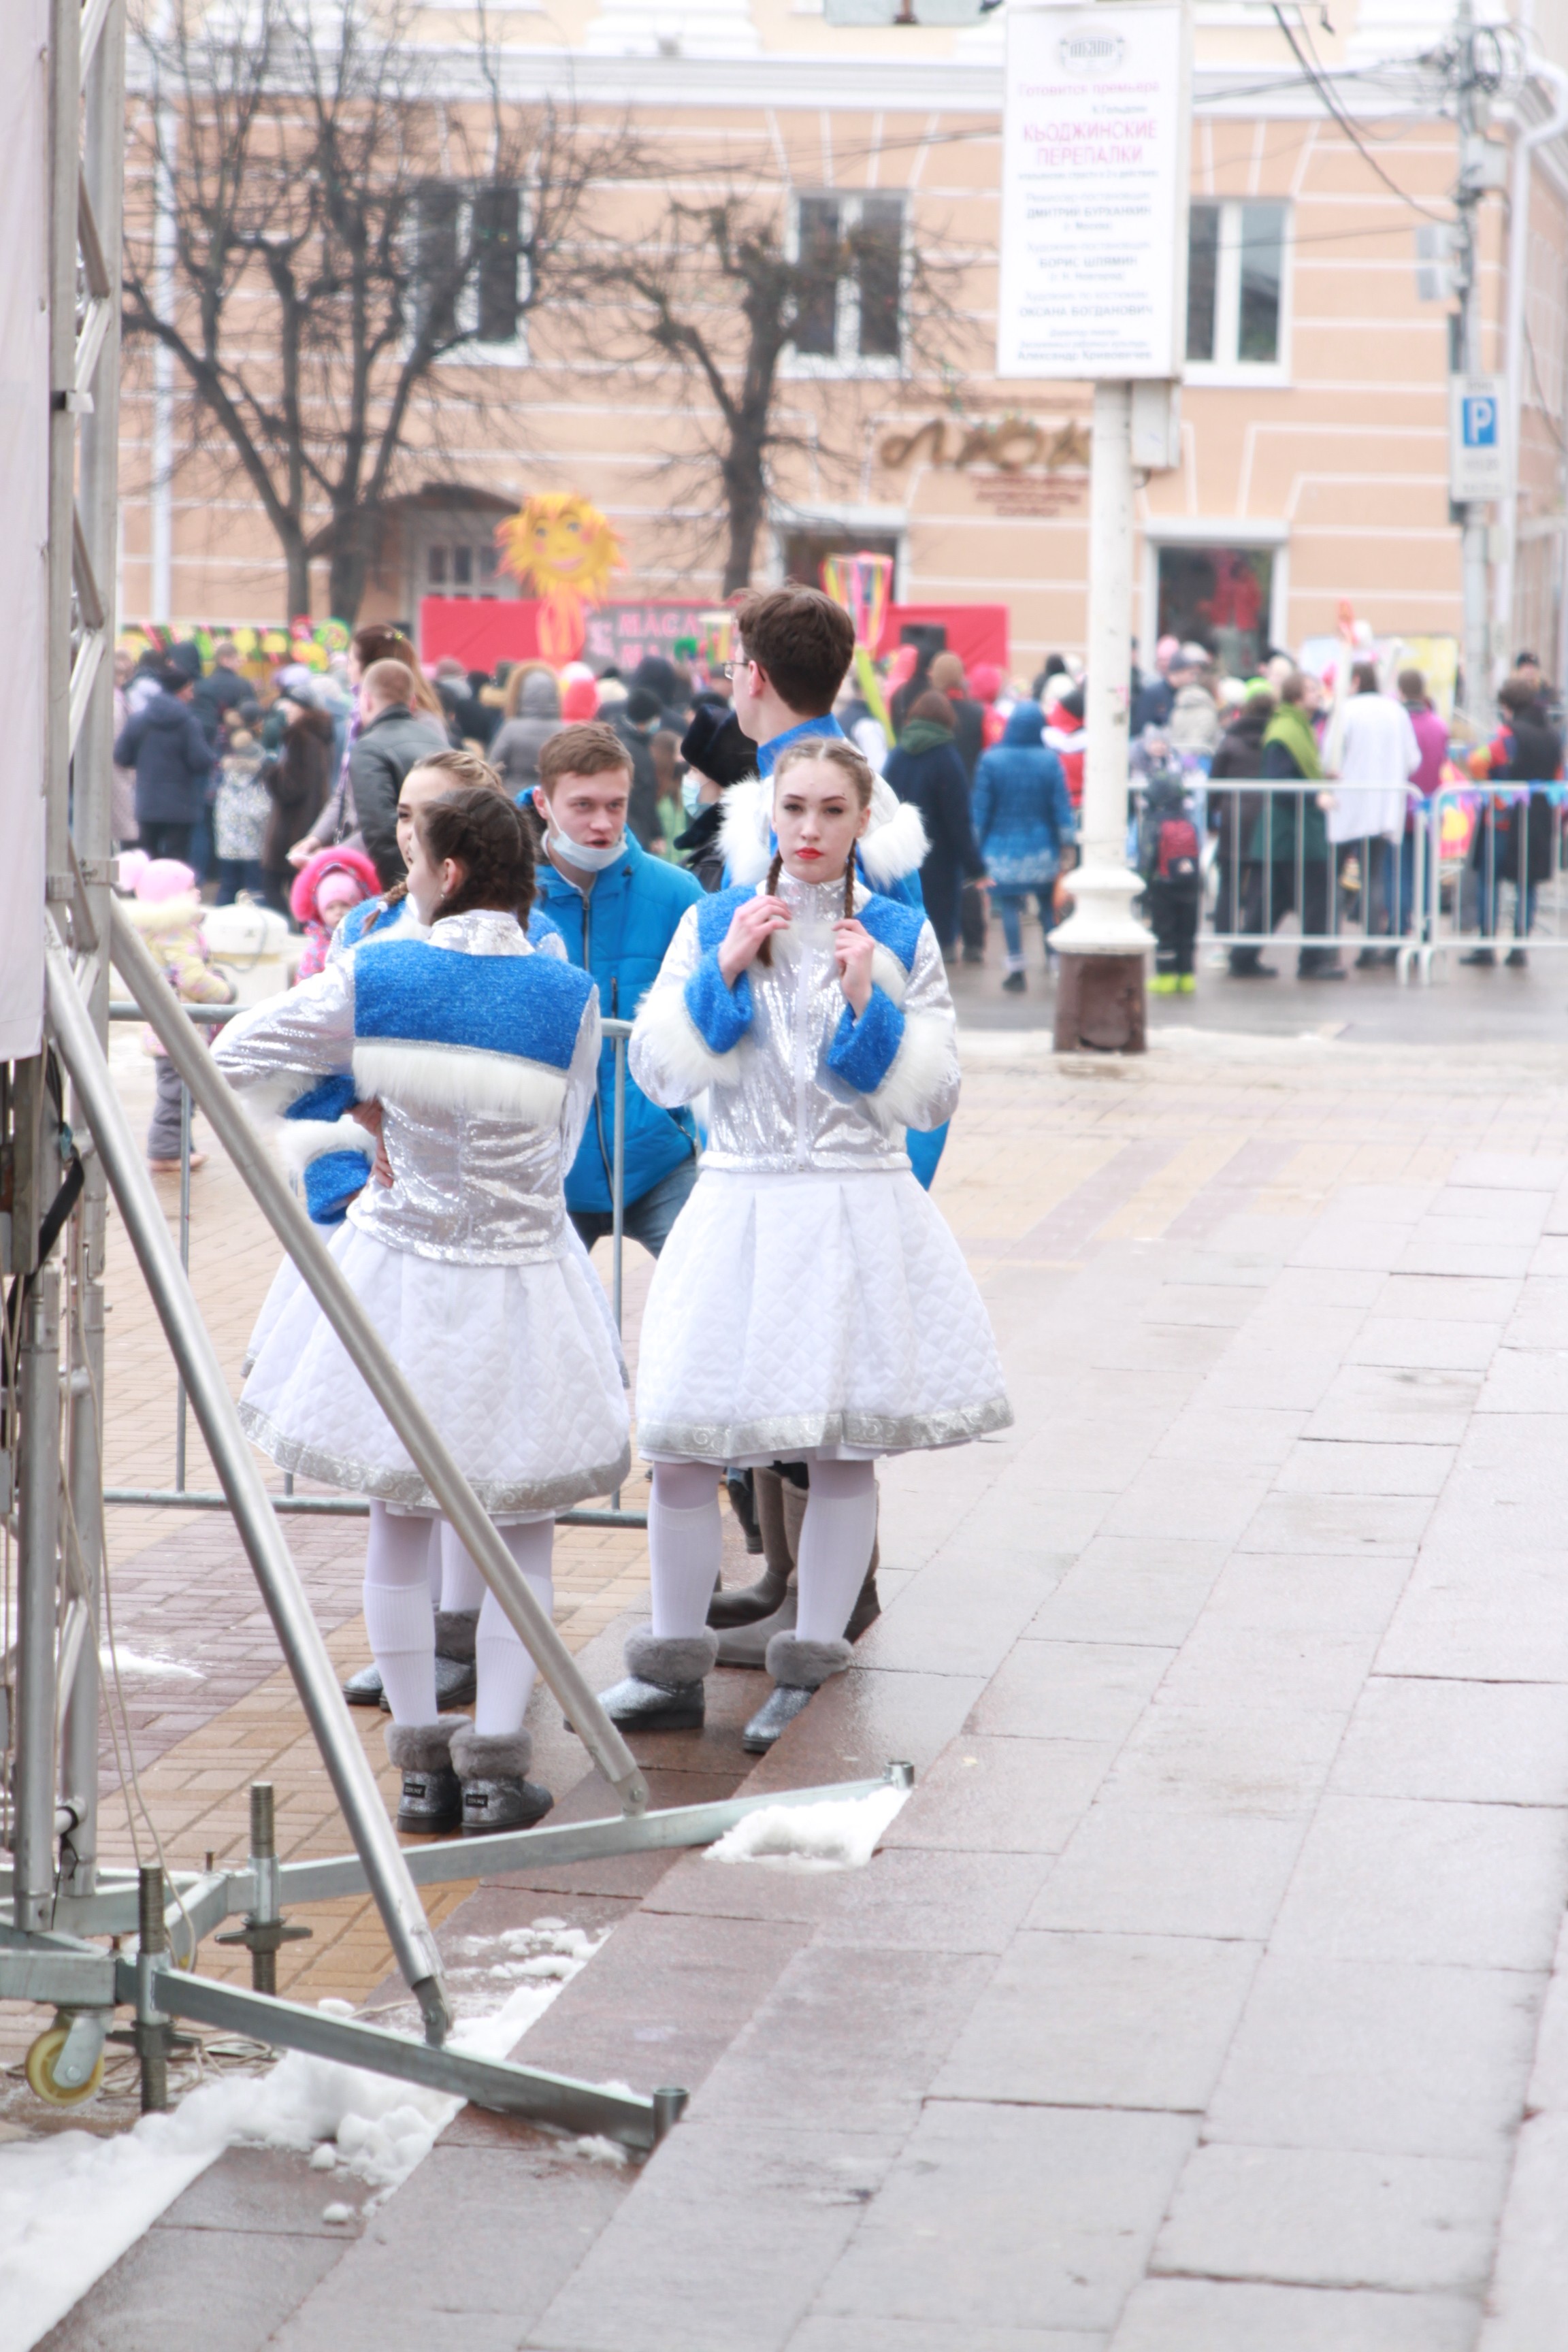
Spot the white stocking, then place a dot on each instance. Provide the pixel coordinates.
(435, 1562)
(685, 1543)
(463, 1589)
(397, 1613)
(834, 1549)
(506, 1670)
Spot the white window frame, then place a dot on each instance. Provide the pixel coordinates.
(846, 361)
(1225, 367)
(510, 350)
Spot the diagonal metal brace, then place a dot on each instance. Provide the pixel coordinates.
(492, 2082)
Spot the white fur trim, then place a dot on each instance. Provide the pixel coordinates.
(888, 974)
(685, 1062)
(301, 1140)
(745, 829)
(924, 1055)
(459, 1077)
(894, 842)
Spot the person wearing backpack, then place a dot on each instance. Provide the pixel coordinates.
(1168, 860)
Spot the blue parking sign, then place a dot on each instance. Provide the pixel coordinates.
(1479, 411)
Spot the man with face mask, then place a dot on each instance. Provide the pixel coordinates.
(617, 909)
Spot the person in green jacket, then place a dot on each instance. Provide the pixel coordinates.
(1288, 851)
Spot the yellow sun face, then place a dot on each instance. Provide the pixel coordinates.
(561, 543)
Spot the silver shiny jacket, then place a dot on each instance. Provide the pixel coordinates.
(774, 1106)
(471, 1188)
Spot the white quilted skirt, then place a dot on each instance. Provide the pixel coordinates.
(518, 1366)
(812, 1314)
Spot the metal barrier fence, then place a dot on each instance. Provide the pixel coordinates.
(179, 1496)
(1494, 833)
(1274, 857)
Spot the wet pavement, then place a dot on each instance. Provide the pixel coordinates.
(1207, 1994)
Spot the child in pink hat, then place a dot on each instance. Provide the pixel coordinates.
(323, 891)
(167, 908)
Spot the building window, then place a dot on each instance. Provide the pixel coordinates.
(1236, 289)
(849, 310)
(469, 273)
(456, 567)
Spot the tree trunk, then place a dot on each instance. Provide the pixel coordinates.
(299, 569)
(745, 495)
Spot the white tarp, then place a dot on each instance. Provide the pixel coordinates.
(1094, 161)
(24, 498)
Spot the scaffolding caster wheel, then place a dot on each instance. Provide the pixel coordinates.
(66, 2086)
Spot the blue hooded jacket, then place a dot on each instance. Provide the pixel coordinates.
(1023, 816)
(620, 934)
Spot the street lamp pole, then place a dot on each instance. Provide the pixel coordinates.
(1103, 944)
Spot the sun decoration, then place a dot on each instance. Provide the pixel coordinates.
(569, 552)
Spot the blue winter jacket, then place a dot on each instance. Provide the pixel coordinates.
(1023, 817)
(620, 935)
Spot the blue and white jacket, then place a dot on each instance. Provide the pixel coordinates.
(795, 1081)
(483, 1054)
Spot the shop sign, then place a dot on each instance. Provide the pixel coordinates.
(1012, 445)
(1094, 193)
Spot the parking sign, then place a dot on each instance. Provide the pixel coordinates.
(1476, 456)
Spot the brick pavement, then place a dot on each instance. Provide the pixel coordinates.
(1196, 1999)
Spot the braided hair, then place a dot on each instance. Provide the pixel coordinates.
(483, 833)
(858, 768)
(464, 767)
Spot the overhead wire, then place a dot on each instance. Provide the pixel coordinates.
(1346, 123)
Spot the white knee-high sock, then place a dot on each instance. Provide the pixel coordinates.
(835, 1539)
(506, 1670)
(434, 1561)
(463, 1589)
(397, 1613)
(685, 1544)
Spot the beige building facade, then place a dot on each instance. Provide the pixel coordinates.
(1314, 445)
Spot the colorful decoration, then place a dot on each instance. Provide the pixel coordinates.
(568, 550)
(716, 638)
(863, 584)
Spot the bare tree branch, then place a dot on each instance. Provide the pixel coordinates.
(324, 228)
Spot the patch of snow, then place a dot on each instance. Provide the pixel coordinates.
(131, 1662)
(594, 2148)
(351, 2121)
(841, 1833)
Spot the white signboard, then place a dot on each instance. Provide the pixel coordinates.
(1477, 463)
(23, 571)
(1094, 193)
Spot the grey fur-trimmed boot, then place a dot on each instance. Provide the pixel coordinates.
(432, 1800)
(799, 1669)
(663, 1689)
(496, 1791)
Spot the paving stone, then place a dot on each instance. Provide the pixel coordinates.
(1448, 1245)
(1094, 2021)
(1070, 1689)
(1508, 1171)
(866, 2333)
(201, 2286)
(1130, 1587)
(1206, 1432)
(1003, 1795)
(1486, 1610)
(1382, 1878)
(1320, 1465)
(1474, 1297)
(1219, 2315)
(1368, 1403)
(1382, 2056)
(1188, 1501)
(1529, 2290)
(1363, 1243)
(1416, 1343)
(1387, 1527)
(1473, 1742)
(1334, 2218)
(665, 2276)
(1025, 2217)
(1163, 1871)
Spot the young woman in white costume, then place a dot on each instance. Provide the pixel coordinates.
(810, 1304)
(482, 1056)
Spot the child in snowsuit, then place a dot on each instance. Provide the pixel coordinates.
(324, 892)
(1168, 860)
(167, 910)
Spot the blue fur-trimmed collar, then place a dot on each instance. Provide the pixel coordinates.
(894, 927)
(528, 1005)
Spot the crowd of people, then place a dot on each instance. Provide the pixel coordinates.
(471, 911)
